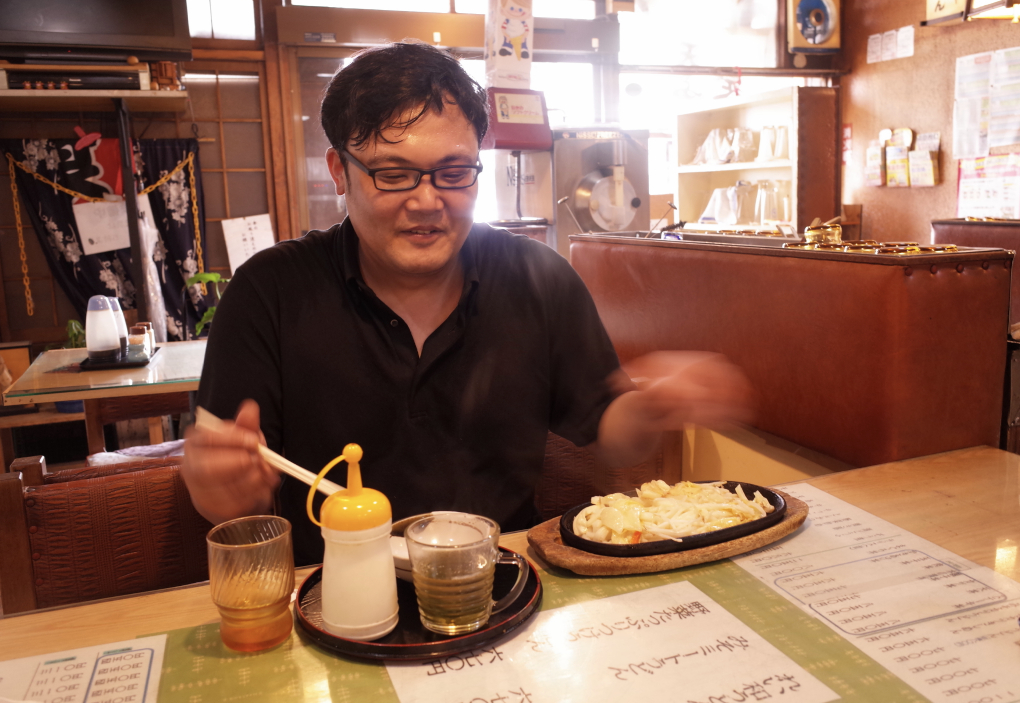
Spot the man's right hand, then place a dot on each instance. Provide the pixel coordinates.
(225, 473)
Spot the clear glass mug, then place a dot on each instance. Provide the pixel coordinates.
(251, 577)
(453, 561)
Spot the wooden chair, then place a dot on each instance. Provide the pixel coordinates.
(98, 532)
(106, 410)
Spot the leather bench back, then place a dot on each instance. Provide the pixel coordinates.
(114, 535)
(865, 362)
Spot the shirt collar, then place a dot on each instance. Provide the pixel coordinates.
(350, 262)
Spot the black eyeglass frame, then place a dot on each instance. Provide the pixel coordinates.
(477, 168)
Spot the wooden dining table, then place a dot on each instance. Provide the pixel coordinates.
(966, 501)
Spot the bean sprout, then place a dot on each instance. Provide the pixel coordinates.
(661, 512)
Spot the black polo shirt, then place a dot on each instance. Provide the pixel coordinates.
(464, 426)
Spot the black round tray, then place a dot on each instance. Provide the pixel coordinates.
(666, 546)
(410, 639)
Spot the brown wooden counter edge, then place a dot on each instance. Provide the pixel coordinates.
(546, 540)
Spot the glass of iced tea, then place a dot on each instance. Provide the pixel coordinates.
(453, 560)
(251, 576)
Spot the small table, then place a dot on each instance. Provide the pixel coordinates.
(54, 376)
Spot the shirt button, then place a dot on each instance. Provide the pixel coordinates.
(394, 323)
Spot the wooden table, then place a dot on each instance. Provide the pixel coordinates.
(54, 376)
(967, 501)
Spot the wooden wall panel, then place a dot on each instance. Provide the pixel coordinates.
(914, 92)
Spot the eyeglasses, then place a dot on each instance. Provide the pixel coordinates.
(445, 177)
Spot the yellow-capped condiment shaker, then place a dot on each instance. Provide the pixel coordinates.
(359, 582)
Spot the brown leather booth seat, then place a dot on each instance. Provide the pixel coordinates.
(79, 535)
(990, 233)
(867, 359)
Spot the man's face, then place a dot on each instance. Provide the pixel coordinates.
(415, 232)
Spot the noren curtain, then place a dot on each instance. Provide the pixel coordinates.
(93, 169)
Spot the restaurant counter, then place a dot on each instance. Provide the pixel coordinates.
(866, 358)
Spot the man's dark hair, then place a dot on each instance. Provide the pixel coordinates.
(383, 83)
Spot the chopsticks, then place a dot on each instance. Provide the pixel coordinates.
(207, 421)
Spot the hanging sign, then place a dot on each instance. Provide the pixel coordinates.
(944, 10)
(102, 226)
(508, 43)
(246, 236)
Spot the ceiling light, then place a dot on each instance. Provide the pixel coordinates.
(994, 10)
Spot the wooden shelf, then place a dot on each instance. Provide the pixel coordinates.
(745, 166)
(47, 415)
(810, 172)
(92, 100)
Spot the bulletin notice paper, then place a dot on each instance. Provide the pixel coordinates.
(102, 226)
(989, 187)
(1004, 98)
(942, 624)
(123, 672)
(635, 646)
(245, 237)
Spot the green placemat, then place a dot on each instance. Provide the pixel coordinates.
(197, 668)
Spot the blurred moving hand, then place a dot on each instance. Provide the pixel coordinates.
(225, 473)
(668, 390)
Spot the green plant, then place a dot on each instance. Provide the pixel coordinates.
(215, 279)
(75, 335)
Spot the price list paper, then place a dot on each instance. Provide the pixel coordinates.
(942, 624)
(122, 672)
(672, 642)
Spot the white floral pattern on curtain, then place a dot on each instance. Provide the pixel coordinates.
(90, 171)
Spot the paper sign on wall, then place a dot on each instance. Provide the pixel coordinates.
(508, 47)
(246, 236)
(102, 226)
(519, 108)
(989, 187)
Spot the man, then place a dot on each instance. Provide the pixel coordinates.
(447, 350)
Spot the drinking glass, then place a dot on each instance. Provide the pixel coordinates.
(251, 577)
(766, 205)
(453, 560)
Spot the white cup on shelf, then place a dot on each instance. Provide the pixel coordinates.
(766, 144)
(782, 149)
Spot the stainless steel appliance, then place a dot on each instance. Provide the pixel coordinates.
(601, 176)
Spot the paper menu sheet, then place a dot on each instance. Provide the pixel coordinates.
(942, 624)
(127, 672)
(635, 646)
